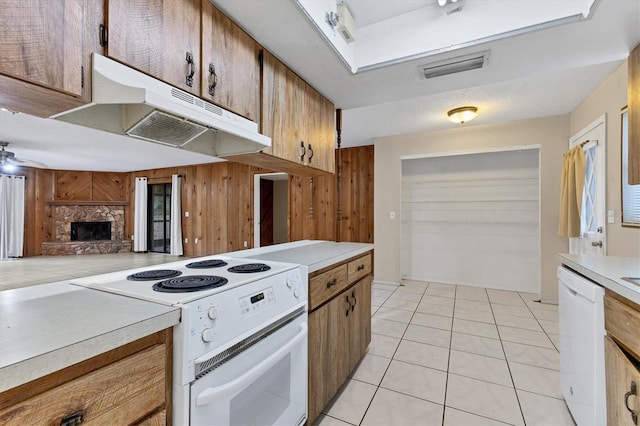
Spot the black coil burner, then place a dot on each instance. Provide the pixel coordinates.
(249, 268)
(189, 283)
(154, 275)
(209, 263)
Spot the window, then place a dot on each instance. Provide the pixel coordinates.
(630, 193)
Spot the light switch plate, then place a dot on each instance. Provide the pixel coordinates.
(392, 215)
(611, 216)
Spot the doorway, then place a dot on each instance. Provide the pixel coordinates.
(159, 218)
(270, 209)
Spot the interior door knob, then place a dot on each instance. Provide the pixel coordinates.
(596, 243)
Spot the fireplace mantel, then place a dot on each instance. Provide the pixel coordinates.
(86, 203)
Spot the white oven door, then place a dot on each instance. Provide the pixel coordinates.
(265, 384)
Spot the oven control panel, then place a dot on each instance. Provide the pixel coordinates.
(218, 321)
(252, 304)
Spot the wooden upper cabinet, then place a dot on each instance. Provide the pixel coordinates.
(230, 74)
(45, 53)
(156, 36)
(299, 120)
(634, 116)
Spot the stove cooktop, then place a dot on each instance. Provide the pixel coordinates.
(189, 283)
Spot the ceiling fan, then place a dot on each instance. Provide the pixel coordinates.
(8, 160)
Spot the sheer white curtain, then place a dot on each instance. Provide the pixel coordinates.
(176, 216)
(11, 216)
(140, 215)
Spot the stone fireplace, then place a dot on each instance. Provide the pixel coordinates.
(100, 226)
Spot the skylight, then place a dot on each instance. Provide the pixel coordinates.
(392, 31)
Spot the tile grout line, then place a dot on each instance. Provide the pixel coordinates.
(446, 383)
(507, 361)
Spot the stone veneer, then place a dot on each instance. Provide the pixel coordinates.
(64, 215)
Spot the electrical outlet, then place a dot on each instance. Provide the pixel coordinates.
(186, 214)
(392, 215)
(186, 241)
(246, 244)
(195, 241)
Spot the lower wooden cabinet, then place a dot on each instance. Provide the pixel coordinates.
(623, 385)
(339, 334)
(128, 385)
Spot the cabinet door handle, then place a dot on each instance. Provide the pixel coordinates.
(632, 391)
(103, 35)
(348, 304)
(360, 268)
(213, 79)
(192, 69)
(303, 151)
(73, 419)
(311, 155)
(332, 282)
(355, 301)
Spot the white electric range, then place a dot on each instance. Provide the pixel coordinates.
(240, 350)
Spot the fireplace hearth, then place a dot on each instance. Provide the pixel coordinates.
(90, 231)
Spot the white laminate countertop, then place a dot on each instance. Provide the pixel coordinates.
(315, 254)
(608, 272)
(49, 327)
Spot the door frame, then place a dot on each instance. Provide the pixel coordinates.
(257, 201)
(601, 169)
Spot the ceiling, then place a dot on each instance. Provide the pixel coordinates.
(544, 72)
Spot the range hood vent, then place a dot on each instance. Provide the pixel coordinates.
(128, 102)
(454, 65)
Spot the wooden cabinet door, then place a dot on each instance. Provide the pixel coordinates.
(230, 60)
(360, 321)
(319, 130)
(282, 103)
(46, 45)
(621, 373)
(155, 36)
(328, 353)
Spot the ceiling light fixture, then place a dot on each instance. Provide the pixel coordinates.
(462, 114)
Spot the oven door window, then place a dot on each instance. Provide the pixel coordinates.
(263, 385)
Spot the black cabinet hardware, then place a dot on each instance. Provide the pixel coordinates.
(213, 79)
(73, 419)
(355, 301)
(192, 69)
(311, 153)
(303, 151)
(103, 34)
(632, 391)
(348, 304)
(332, 282)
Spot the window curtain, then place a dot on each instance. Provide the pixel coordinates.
(572, 186)
(11, 216)
(140, 215)
(176, 216)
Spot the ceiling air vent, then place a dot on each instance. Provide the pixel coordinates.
(454, 65)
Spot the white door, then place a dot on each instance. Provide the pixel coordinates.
(592, 238)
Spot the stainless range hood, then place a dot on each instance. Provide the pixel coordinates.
(128, 102)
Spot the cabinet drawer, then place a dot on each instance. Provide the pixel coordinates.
(326, 285)
(119, 393)
(622, 322)
(359, 268)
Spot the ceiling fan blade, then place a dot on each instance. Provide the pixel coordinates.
(25, 163)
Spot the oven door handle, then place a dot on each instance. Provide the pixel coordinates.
(210, 395)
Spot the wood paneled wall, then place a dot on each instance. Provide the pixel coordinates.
(356, 194)
(219, 199)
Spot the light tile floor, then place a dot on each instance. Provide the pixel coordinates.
(443, 354)
(30, 271)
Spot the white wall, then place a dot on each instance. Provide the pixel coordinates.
(551, 134)
(610, 97)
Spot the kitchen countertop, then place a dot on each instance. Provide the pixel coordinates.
(608, 272)
(49, 327)
(314, 254)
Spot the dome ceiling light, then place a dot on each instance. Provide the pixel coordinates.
(462, 114)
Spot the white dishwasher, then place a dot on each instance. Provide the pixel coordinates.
(582, 375)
